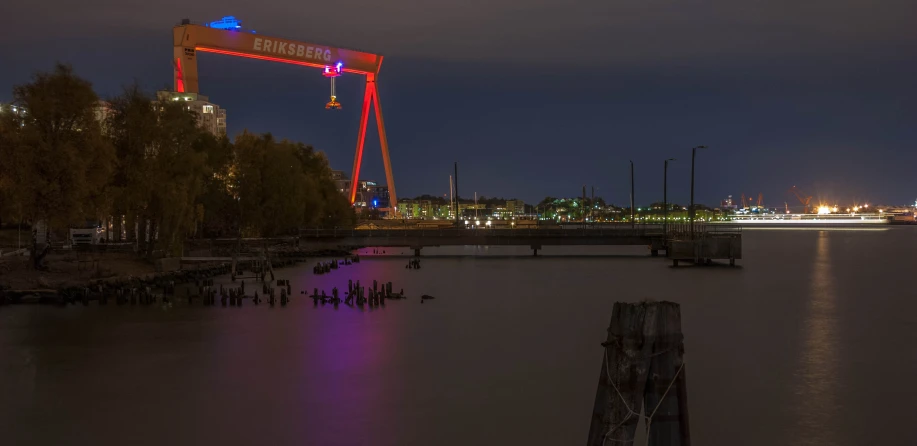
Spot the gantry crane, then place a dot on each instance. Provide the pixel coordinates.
(230, 39)
(802, 198)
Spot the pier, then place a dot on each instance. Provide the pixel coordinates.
(710, 242)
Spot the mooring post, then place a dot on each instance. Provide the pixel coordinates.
(643, 362)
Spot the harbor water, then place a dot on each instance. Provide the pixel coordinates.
(811, 341)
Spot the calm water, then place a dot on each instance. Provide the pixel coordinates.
(812, 342)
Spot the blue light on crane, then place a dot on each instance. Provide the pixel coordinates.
(228, 22)
(375, 203)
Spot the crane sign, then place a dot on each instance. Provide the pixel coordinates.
(188, 39)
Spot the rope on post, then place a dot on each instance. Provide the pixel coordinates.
(630, 411)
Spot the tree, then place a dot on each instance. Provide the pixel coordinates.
(432, 199)
(148, 164)
(180, 158)
(283, 185)
(132, 126)
(218, 205)
(163, 167)
(64, 162)
(10, 176)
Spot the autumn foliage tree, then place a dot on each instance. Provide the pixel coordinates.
(146, 166)
(61, 159)
(282, 185)
(163, 166)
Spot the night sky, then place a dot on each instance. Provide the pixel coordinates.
(539, 97)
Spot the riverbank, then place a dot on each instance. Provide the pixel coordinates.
(71, 269)
(83, 269)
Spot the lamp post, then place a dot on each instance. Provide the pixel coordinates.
(665, 198)
(693, 154)
(632, 214)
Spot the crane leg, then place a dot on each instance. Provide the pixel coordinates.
(361, 137)
(383, 142)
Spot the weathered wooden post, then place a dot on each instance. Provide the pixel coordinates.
(643, 362)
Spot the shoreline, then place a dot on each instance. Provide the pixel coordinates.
(70, 278)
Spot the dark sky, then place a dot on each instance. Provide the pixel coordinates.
(540, 97)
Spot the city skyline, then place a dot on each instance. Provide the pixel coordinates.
(566, 98)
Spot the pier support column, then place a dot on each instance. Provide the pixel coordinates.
(417, 251)
(535, 249)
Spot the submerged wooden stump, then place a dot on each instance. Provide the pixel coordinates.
(643, 364)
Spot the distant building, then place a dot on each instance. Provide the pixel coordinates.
(341, 182)
(210, 116)
(369, 193)
(472, 211)
(515, 207)
(420, 209)
(100, 112)
(374, 195)
(502, 212)
(10, 108)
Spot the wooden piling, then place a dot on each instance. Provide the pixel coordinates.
(643, 362)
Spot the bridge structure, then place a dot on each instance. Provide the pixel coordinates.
(710, 242)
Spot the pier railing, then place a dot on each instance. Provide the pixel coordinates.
(645, 231)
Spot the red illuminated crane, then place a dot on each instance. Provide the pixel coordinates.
(802, 199)
(188, 39)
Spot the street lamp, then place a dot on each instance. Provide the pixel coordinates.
(665, 198)
(632, 223)
(693, 154)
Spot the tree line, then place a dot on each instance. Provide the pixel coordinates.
(146, 167)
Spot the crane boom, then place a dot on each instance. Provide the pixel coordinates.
(187, 39)
(226, 38)
(802, 198)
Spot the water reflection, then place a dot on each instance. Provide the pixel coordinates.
(505, 355)
(818, 375)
